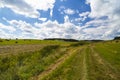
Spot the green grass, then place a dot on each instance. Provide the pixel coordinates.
(71, 69)
(110, 52)
(98, 69)
(89, 61)
(98, 62)
(25, 65)
(27, 41)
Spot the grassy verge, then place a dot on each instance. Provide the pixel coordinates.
(25, 65)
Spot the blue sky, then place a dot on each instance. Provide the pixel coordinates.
(76, 19)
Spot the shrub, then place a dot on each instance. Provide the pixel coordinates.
(16, 41)
(1, 40)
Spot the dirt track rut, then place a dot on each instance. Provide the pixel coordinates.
(55, 65)
(108, 69)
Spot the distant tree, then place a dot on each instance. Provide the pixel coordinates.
(117, 38)
(62, 39)
(7, 39)
(16, 38)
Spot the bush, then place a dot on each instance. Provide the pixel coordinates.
(16, 41)
(1, 40)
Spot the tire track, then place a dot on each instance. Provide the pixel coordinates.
(52, 67)
(84, 68)
(109, 70)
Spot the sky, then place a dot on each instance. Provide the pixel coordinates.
(71, 19)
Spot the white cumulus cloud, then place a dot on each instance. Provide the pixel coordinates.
(43, 19)
(28, 8)
(19, 7)
(6, 27)
(106, 15)
(69, 11)
(42, 4)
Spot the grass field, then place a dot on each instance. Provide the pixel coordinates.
(59, 60)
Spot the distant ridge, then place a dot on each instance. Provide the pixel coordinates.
(61, 39)
(94, 40)
(72, 40)
(117, 38)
